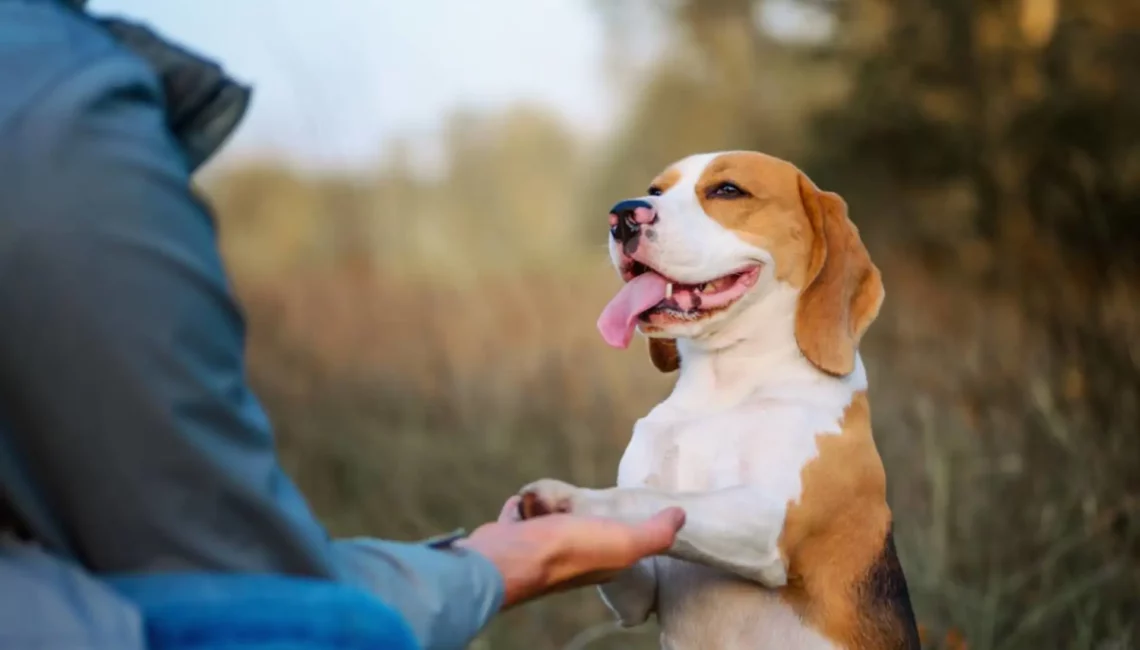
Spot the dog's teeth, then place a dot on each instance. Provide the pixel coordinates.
(669, 291)
(708, 286)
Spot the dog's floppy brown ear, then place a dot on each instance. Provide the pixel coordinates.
(664, 354)
(843, 290)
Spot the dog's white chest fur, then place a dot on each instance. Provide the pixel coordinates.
(763, 444)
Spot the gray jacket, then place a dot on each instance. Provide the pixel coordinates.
(129, 439)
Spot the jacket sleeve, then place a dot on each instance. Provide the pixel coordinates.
(122, 384)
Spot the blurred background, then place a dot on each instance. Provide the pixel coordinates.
(414, 217)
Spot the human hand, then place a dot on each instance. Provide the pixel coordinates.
(556, 552)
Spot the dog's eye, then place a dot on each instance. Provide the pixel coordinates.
(727, 190)
(654, 191)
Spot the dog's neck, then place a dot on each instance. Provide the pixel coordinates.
(754, 357)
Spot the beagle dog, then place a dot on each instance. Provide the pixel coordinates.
(757, 287)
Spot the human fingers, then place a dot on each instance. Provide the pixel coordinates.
(588, 545)
(655, 535)
(594, 550)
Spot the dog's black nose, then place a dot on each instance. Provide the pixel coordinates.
(627, 218)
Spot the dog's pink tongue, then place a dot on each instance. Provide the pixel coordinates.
(619, 318)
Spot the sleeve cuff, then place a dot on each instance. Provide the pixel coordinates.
(446, 595)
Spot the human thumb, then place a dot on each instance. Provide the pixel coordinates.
(657, 534)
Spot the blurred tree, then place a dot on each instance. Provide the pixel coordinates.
(1031, 103)
(504, 191)
(510, 183)
(269, 217)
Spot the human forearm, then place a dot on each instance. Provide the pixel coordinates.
(446, 595)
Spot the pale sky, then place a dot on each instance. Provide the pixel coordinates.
(334, 78)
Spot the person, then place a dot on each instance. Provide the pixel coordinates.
(129, 439)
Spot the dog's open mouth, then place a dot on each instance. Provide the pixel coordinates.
(652, 298)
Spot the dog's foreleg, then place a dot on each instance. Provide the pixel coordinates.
(632, 594)
(735, 529)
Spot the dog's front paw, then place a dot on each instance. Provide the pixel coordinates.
(547, 496)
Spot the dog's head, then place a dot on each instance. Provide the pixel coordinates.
(718, 234)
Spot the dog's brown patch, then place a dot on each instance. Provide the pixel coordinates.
(844, 287)
(813, 243)
(663, 353)
(666, 180)
(770, 216)
(843, 572)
